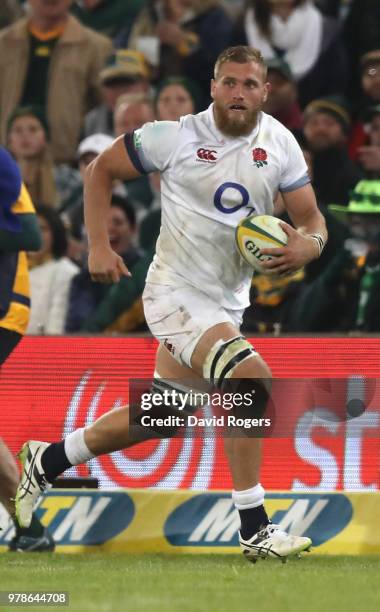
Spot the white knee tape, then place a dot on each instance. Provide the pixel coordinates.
(224, 356)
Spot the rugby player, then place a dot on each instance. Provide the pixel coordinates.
(198, 286)
(18, 232)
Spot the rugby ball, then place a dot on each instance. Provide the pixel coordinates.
(256, 233)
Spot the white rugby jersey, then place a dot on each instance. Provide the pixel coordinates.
(209, 181)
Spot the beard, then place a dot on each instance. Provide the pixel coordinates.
(240, 125)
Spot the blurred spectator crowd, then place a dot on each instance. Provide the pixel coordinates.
(74, 75)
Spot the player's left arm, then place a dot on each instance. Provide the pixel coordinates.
(304, 243)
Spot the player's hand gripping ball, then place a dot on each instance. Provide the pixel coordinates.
(256, 233)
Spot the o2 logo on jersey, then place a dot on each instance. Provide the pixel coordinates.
(235, 189)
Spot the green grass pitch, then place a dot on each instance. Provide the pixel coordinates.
(191, 583)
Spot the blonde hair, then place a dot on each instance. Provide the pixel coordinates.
(241, 55)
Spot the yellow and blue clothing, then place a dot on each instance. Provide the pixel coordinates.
(19, 232)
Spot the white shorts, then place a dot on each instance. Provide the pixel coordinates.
(179, 316)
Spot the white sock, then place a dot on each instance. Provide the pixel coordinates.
(249, 498)
(76, 448)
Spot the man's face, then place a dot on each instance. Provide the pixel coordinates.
(50, 9)
(239, 92)
(322, 131)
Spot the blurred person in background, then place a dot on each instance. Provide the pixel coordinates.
(326, 128)
(308, 41)
(176, 97)
(282, 102)
(48, 59)
(370, 72)
(28, 141)
(367, 95)
(369, 153)
(51, 272)
(18, 232)
(175, 37)
(131, 112)
(361, 35)
(107, 16)
(126, 72)
(85, 295)
(10, 10)
(346, 295)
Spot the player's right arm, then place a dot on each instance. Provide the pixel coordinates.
(104, 264)
(146, 150)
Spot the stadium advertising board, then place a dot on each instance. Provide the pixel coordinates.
(50, 386)
(184, 521)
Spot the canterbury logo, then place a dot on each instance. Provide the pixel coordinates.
(207, 155)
